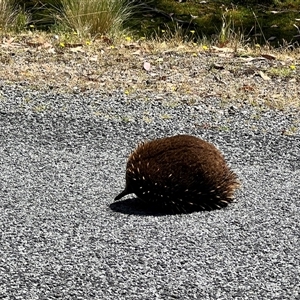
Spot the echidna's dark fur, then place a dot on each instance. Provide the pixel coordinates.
(183, 173)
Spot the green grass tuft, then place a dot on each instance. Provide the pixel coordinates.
(94, 17)
(12, 18)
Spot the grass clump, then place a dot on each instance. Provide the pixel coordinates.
(94, 17)
(230, 33)
(12, 17)
(85, 17)
(6, 13)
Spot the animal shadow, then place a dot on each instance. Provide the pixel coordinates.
(136, 206)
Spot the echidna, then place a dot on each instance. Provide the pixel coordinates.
(183, 173)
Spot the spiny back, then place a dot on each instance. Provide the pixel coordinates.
(182, 171)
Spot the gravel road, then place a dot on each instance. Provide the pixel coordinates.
(62, 160)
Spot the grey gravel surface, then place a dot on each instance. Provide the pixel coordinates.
(62, 161)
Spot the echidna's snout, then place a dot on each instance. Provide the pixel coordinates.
(122, 194)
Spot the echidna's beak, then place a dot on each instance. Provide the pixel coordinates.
(124, 193)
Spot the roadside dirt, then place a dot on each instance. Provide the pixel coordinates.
(260, 78)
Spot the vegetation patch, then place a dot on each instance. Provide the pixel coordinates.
(89, 47)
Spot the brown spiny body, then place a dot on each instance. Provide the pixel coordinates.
(183, 173)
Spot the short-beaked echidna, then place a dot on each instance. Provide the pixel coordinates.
(182, 173)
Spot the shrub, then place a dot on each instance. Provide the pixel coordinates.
(92, 17)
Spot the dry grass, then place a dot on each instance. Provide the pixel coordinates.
(94, 17)
(10, 17)
(180, 71)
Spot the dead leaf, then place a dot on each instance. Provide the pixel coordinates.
(147, 66)
(94, 58)
(250, 59)
(107, 40)
(34, 44)
(223, 49)
(269, 56)
(77, 49)
(137, 52)
(263, 76)
(47, 45)
(51, 50)
(217, 66)
(132, 46)
(9, 41)
(73, 45)
(218, 79)
(247, 88)
(276, 96)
